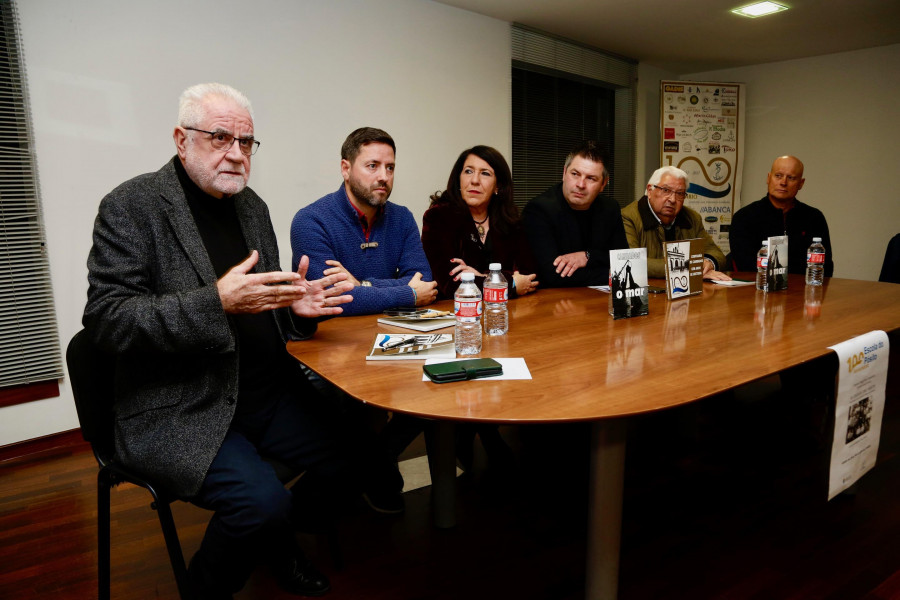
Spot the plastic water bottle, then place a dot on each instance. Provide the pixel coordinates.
(812, 301)
(762, 265)
(815, 262)
(496, 297)
(467, 307)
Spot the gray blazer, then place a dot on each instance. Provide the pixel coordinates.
(152, 300)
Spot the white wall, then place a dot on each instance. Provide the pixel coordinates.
(839, 114)
(105, 75)
(648, 124)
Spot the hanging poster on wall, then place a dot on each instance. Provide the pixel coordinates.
(701, 132)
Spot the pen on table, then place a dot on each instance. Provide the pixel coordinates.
(402, 342)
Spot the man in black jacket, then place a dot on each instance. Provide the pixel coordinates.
(780, 213)
(570, 228)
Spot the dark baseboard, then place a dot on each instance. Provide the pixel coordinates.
(64, 440)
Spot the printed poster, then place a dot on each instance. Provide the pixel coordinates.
(859, 406)
(701, 132)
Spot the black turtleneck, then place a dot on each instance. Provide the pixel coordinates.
(261, 353)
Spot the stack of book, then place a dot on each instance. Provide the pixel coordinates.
(400, 346)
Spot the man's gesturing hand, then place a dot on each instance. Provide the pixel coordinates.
(321, 296)
(244, 292)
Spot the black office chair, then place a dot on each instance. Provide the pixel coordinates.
(890, 268)
(729, 265)
(91, 377)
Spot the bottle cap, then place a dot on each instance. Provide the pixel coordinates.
(817, 239)
(765, 242)
(494, 266)
(468, 276)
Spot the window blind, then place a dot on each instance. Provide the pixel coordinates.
(29, 342)
(562, 94)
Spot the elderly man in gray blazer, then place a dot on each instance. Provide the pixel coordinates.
(187, 291)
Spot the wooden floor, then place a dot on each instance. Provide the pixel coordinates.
(719, 503)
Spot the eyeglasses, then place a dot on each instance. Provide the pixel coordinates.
(222, 141)
(667, 192)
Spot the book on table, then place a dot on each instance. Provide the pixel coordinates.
(404, 346)
(684, 268)
(777, 271)
(628, 284)
(421, 323)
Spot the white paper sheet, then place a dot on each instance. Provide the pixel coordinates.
(731, 282)
(513, 368)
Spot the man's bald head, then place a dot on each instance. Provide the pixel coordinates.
(784, 181)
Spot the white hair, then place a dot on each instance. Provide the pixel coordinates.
(669, 170)
(191, 111)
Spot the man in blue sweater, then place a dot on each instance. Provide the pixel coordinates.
(376, 243)
(356, 231)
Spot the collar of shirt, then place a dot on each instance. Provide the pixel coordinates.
(658, 220)
(363, 221)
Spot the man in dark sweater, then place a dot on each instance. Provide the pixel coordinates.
(570, 228)
(187, 292)
(780, 213)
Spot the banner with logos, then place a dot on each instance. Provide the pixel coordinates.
(701, 130)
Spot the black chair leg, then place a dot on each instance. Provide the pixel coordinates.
(173, 545)
(334, 546)
(103, 558)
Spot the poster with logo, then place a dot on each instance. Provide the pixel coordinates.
(859, 407)
(701, 131)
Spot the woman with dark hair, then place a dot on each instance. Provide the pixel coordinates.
(468, 226)
(474, 222)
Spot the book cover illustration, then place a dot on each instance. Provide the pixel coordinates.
(402, 346)
(684, 268)
(777, 271)
(628, 286)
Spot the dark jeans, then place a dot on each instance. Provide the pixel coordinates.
(253, 510)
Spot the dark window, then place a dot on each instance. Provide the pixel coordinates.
(29, 342)
(551, 115)
(562, 94)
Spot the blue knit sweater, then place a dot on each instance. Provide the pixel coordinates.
(329, 229)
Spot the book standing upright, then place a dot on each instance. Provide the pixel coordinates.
(628, 286)
(684, 268)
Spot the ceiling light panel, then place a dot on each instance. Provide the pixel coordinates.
(759, 9)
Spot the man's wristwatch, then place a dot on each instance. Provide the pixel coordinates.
(587, 254)
(365, 283)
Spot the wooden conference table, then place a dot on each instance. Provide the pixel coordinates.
(585, 366)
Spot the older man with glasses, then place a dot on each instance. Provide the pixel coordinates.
(187, 292)
(661, 216)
